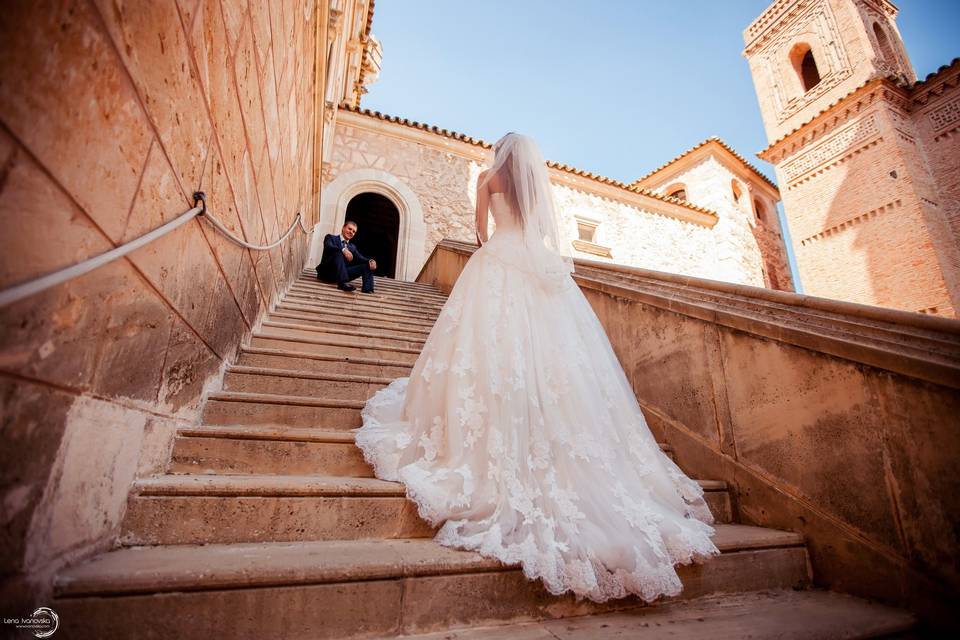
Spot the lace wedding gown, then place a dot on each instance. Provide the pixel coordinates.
(518, 432)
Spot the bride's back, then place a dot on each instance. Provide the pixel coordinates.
(503, 203)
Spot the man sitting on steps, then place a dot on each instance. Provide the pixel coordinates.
(341, 262)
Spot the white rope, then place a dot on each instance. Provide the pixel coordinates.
(256, 247)
(27, 289)
(21, 291)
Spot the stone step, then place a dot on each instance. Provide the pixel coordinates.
(302, 383)
(380, 295)
(318, 308)
(363, 305)
(239, 408)
(343, 589)
(304, 361)
(759, 615)
(310, 277)
(381, 291)
(331, 320)
(206, 508)
(343, 332)
(362, 310)
(340, 346)
(272, 449)
(267, 449)
(201, 509)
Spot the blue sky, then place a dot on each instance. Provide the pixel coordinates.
(617, 87)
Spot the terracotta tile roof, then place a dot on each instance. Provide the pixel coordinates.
(633, 188)
(920, 85)
(462, 137)
(711, 139)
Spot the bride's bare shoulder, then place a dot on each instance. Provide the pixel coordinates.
(492, 181)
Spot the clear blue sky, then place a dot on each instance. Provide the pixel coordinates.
(615, 87)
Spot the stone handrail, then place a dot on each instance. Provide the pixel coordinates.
(833, 419)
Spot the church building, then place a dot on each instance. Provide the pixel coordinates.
(867, 158)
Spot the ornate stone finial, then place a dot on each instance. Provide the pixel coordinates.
(326, 172)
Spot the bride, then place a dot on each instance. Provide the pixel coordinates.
(517, 430)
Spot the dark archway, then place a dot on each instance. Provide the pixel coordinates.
(378, 229)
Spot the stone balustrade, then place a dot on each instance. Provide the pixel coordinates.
(832, 419)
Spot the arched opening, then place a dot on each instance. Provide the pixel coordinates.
(378, 229)
(805, 65)
(678, 191)
(736, 190)
(759, 210)
(886, 49)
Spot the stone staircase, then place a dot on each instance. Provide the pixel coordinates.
(269, 524)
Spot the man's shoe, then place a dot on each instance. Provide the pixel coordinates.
(318, 273)
(343, 286)
(366, 290)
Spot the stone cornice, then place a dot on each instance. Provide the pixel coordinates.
(716, 147)
(638, 197)
(758, 32)
(364, 62)
(911, 344)
(409, 130)
(835, 115)
(944, 79)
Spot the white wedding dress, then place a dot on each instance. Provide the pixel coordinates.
(518, 432)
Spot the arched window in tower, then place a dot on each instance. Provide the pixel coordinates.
(809, 71)
(736, 190)
(678, 191)
(805, 65)
(759, 210)
(886, 49)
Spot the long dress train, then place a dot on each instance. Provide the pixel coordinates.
(518, 432)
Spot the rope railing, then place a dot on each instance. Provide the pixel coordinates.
(33, 287)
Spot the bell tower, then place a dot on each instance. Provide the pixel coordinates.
(834, 84)
(806, 54)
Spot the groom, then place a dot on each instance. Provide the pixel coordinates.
(341, 262)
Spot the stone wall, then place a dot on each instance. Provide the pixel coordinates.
(640, 237)
(111, 115)
(832, 419)
(440, 178)
(438, 175)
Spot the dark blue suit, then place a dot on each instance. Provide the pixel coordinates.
(334, 267)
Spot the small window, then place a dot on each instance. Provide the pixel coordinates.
(736, 190)
(759, 210)
(886, 50)
(586, 231)
(804, 63)
(811, 75)
(680, 194)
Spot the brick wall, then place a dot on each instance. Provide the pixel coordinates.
(937, 123)
(111, 115)
(857, 198)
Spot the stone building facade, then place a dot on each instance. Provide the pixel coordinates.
(868, 158)
(429, 176)
(111, 115)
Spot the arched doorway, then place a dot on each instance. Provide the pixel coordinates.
(378, 229)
